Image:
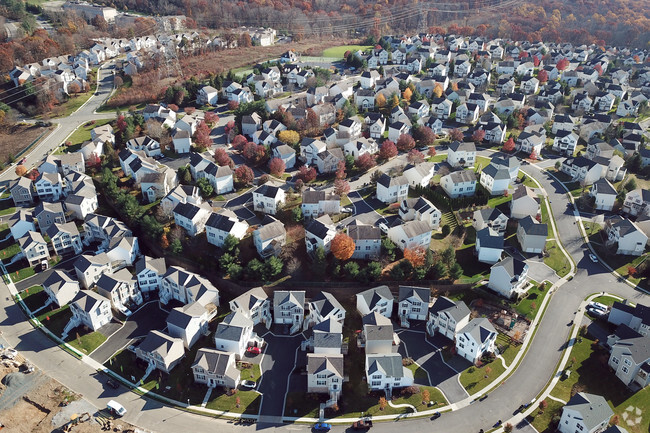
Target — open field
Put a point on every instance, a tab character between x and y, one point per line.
340	50
17	138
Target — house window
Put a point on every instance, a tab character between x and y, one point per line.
615	361
321	382
625	370
626	362
375	383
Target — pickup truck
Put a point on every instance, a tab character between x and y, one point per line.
363	424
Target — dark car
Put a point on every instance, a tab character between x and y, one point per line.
113	384
435	416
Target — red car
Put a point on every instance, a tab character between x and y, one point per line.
253	350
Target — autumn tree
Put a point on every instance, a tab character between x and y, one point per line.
366	161
341	187
562	64
415	157
415	255
424	136
244	175
542	76
254	153
407	94
380	101
405	142
456	135
202	136
387	150
631	271
543	405
432	151
233	105
211	118
382	403
239	142
21	170
438	90
533	155
478	136
306	174
277	167
426	396
340	170
289	137
222	158
342	246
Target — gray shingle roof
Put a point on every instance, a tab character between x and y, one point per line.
593	408
389	365
375	295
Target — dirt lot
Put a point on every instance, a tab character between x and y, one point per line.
16	138
35	403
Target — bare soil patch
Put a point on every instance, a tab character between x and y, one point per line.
16	138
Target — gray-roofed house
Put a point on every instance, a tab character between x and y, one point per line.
289	309
327	338
637	202
324	306
420	174
413	304
630	359
47	214
188	323
532	235
604	194
490	217
378	299
325	374
222	224
508	277
20	223
420	209
385	372
148	272
377	335
489	245
270	238
461	154
191	217
120	287
187	287
625	235
495	179
89	268
524	203
255	305
235	334
60	288
367	241
89	309
49	186
215	369
34	248
636	317
447	317
392	189
161	351
475	339
459	183
268	199
319	234
587	413
316	203
411	234
22	192
65	238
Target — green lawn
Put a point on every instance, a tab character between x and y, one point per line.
123	363
606	300
556	259
23	273
545	218
482	162
498	200
438	158
529	306
9	252
249	401
86	343
416	399
624	268
507	349
340	50
528	181
34	297
77	100
541	421
56	320
8	211
82	133
300	404
640	400
474	378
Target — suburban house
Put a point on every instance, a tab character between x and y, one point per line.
123	250
325	374
397	129
34	248
447	317
495	179
65	238
120	288
524	203
324	307
207	95
89	268
289	309
317	203
60	288
377	335
82	202
532	235
234	334
582	170
459	183
148	273
319	233
90	309
222	224
20	223
467	113
420	209
420	174
474	340
626	235
508	277
47	214
187	287
490	217
378	300
565	142
588	413
191	217
22	192
413	304
604	195
489	245
255	305
630	359
161	351
146	144
286	153
385	372
215	369
49	186
461	154
635	317
103	229
268	199
367	241
270	238
392	189
411	234
637	202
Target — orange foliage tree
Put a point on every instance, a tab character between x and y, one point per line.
342	246
416	255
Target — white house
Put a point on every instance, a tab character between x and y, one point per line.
411	234
385	372
90	268
324	306
532	235
182	141
495	179
565	142
392	189
270	238
420	209
319	233
215	369
477	338
34	248
587	413
255	305
637	202
630	360
459	183
508	277
420	174
289	309
187	287
489	245
148	273
604	194
316	203
447	317
524	203
325	374
378	299
65	238
461	154
413	303
490	217
60	288
234	334
367	241
207	95
626	235
268	199
90	309
191	217
49	186
161	351
120	288
20	223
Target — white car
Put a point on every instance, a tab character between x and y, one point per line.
596	312
597	306
115	408
593	258
10	353
248	384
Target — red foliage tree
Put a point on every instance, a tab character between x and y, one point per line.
244	174
33	175
416	255
542	76
229	126
341	187
306	174
221	157
599	69
509	145
254	153
239	142
432	151
533	155
405	142
211	118
189	110
562	64
340	170
277	167
456	135
415	157
366	161
424	136
121	123
342	246
478	136
535	61
233	105
173	107
202	135
387	150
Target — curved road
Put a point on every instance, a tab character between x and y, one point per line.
536	369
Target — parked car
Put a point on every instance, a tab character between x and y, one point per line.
383	227
322	427
435	416
362	424
115	408
346	209
596	312
248	384
597	306
253	350
10	353
593	258
113	384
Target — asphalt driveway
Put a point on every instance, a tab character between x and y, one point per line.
147	318
279	360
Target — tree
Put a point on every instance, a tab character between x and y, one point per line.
239	142
205	187
533	155
233	105
211	118
373	271
202	136
405	142
380	101
388	247
562	64
342	246
407	94
296	214
382	403
387	150
341	187
254	153
508	428
21	170
273	267
277	167
631	271
509	145
630	185
424	136
456	271
438	90
352	269
306	174
366	161
448	256
244	175
289	137
542	76
543	405
222	158
432	151
255	270
340	171
415	255
231	245
456	135
74	88
176	247
439	270
151	227
478	135
426	396
415	157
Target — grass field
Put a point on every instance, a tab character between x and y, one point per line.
83	132
340	50
556	259
475	379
